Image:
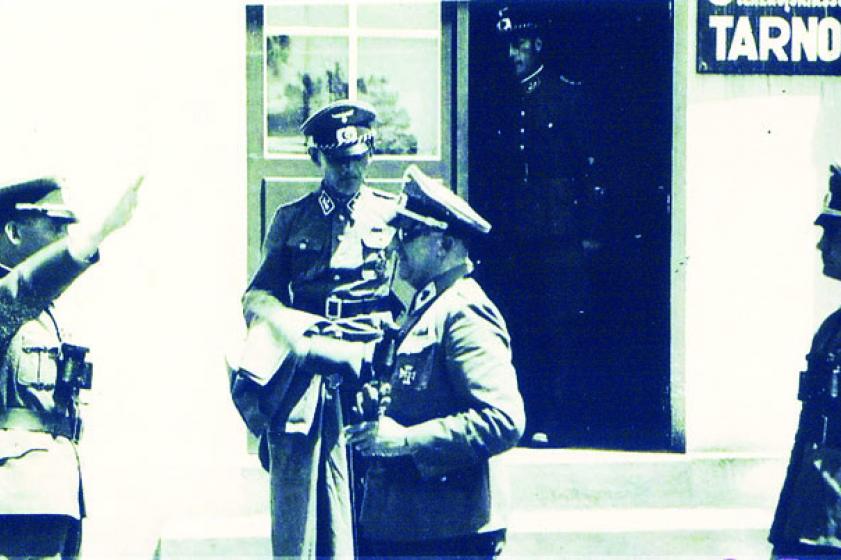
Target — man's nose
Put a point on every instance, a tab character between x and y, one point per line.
512	51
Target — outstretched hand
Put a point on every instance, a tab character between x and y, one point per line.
122	210
84	238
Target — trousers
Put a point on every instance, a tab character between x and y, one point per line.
473	547
40	535
310	488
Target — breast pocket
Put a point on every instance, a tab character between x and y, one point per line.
305	256
34	362
375	254
415	361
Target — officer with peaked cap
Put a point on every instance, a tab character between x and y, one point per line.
807	522
454	401
41	504
329	254
539	162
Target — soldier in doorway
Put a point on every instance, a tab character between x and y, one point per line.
543	199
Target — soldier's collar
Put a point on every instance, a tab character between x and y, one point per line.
438	285
532	81
328	202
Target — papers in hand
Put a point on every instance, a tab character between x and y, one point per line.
277	334
262	353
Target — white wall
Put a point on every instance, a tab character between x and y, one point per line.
758	150
101	91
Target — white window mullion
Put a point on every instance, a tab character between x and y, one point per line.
353	48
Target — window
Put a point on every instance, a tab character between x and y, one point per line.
387	54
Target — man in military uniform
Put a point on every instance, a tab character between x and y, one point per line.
329	255
41	504
453	400
807	522
541	195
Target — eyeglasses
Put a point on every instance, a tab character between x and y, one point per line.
408	233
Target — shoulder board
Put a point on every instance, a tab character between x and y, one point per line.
300	200
566	81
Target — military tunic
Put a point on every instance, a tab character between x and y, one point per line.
809	509
39	472
541	170
455	388
542	143
325	256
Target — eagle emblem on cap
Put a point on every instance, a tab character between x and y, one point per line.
346	135
344	115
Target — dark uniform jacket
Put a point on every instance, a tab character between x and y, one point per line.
543	197
322	257
544	161
455	387
39	472
809	510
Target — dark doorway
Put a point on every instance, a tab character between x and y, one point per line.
607	383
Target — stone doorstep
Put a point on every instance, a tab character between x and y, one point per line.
628	520
589	479
619	520
586	479
625	532
645	502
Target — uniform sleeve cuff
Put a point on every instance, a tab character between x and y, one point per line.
419	436
81	256
82	247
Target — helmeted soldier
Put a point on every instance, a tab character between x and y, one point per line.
41	374
328	254
807	522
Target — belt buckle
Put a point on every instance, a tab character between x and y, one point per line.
333	308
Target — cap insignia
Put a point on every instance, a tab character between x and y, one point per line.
343	116
346	135
504	25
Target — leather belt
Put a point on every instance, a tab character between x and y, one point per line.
400	468
32	421
337	308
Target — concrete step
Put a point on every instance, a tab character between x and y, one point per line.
598	479
632	532
640	532
563	503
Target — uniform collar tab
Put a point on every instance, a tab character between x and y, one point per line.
328	203
424	296
325	201
532	81
439	284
